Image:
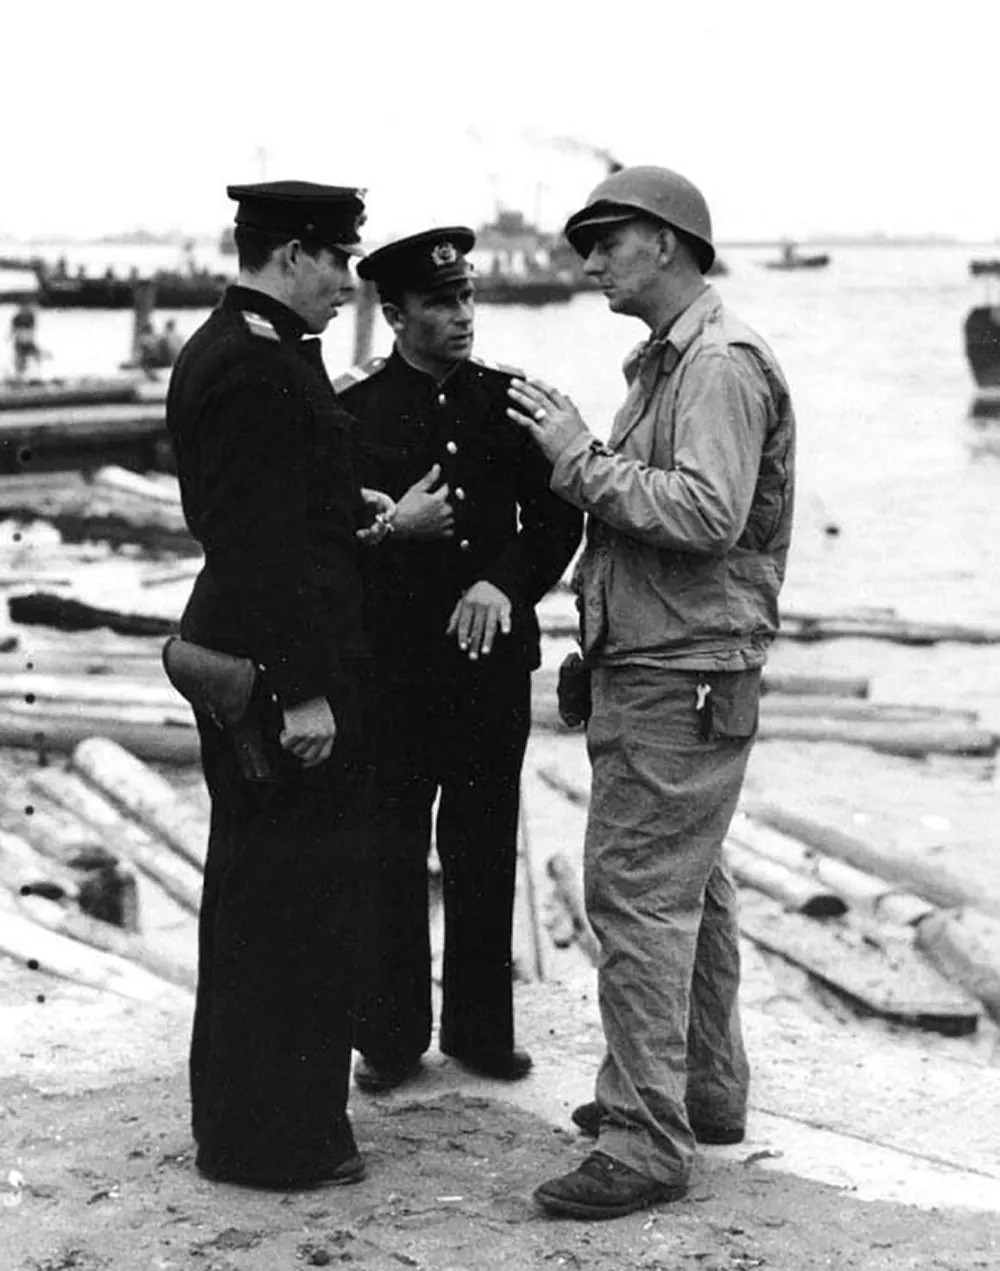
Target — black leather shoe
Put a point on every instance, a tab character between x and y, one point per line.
503	1065
604	1188
375	1078
350	1170
587	1119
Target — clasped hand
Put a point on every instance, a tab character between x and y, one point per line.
310	731
383	509
424	510
482	611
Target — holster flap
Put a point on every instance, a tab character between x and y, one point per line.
219	685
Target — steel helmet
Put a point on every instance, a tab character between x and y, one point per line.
649	191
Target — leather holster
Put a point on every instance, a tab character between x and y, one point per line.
228	690
573	691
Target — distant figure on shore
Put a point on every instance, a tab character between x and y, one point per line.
170	342
156	352
22	339
147	349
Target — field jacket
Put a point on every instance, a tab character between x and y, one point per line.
689	501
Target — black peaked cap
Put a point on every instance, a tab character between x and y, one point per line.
427	261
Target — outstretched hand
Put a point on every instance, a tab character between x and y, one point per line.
550	416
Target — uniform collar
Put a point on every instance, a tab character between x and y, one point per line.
416	376
285	321
668	346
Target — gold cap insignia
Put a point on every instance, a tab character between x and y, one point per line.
444	254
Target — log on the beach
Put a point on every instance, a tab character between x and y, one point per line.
570	893
919	877
914	740
819	707
67	614
804	625
797	892
134	948
791	682
892	981
72	691
155	736
858	889
38	949
143	795
178	878
165	494
956	951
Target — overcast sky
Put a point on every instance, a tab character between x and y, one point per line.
794	118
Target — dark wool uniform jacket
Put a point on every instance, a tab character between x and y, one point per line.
509	528
270	490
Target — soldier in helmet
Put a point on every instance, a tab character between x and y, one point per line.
270	492
690	506
478	538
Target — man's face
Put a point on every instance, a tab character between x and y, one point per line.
435	328
319	285
625	262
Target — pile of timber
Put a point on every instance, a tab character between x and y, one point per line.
827	709
894	936
103	803
558	617
129	425
110	504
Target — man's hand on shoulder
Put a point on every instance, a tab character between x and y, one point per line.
424	511
482	611
310	731
550	416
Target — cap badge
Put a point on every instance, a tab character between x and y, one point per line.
444	254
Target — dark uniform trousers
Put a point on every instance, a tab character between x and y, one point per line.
464	740
448	726
279	934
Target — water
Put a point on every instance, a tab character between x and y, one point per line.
888	454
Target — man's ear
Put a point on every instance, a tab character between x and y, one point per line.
393	314
290	255
667	240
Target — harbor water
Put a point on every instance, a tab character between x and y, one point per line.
899	487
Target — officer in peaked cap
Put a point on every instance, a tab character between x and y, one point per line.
450	604
269	488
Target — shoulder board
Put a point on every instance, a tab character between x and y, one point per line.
358	374
259	326
502	367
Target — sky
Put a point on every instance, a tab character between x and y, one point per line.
795	119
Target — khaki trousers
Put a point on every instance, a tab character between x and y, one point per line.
665	786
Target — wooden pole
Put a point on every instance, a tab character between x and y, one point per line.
143	305
365	304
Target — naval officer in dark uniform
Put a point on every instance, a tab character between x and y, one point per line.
271	493
477	540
